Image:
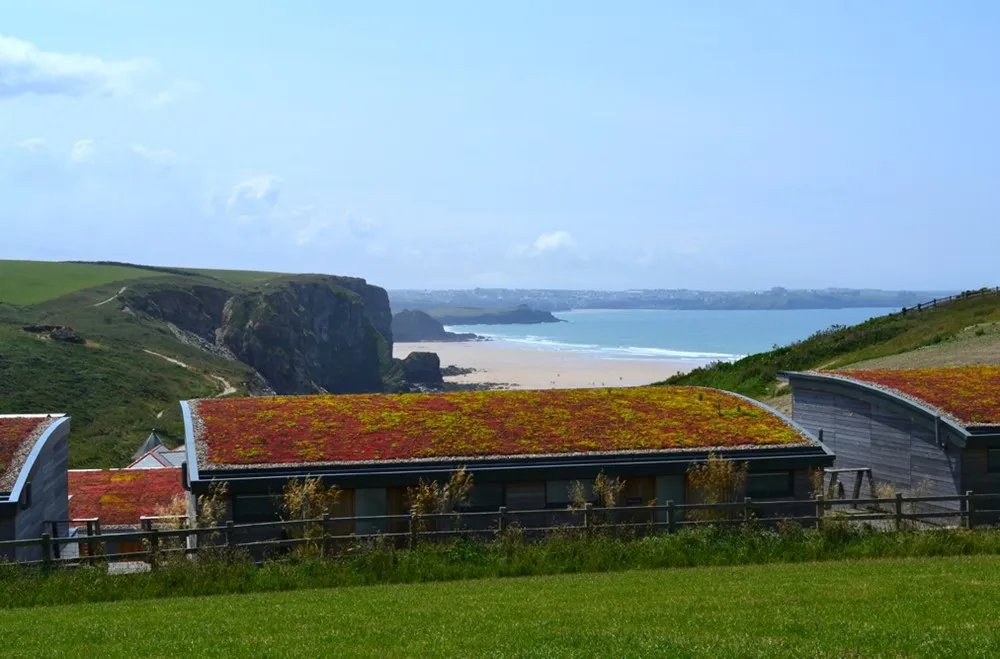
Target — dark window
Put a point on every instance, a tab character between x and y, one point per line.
560	493
484	497
993	459
253	508
772	485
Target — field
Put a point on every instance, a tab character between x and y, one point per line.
917	607
31	282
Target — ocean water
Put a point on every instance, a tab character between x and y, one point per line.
697	336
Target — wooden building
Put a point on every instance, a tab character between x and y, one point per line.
33	484
929	431
524	449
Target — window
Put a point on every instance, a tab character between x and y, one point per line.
560	493
993	459
484	497
772	485
253	508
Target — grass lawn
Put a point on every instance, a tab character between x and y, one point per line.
31	282
916	607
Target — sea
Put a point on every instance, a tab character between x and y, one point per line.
696	336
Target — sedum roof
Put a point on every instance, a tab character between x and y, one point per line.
119	497
18	433
968	394
366	428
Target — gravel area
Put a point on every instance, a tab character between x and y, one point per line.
9	477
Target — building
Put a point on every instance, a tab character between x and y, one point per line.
524	449
119	498
33	484
932	431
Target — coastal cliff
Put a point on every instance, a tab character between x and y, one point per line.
410	326
519	315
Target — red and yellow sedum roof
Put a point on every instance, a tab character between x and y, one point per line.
18	434
482	424
119	497
969	394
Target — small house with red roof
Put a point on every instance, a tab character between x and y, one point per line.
33	483
932	431
524	449
120	498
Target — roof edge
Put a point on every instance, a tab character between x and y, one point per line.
883	392
191	457
25	470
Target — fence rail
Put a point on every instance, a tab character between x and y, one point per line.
328	533
965	295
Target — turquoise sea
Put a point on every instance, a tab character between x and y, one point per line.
672	335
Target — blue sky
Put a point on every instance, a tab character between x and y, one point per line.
716	145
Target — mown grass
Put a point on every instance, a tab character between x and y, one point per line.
32	282
376	564
879	337
918	607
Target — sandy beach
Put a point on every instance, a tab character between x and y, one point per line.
526	368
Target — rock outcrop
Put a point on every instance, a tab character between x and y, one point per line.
519	315
303	334
422	368
412	326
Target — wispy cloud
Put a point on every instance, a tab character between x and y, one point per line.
547	242
26	69
170	95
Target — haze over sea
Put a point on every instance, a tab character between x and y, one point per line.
697	336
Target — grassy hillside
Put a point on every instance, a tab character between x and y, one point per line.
840	346
32	282
115	388
856	609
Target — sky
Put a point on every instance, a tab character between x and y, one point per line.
558	144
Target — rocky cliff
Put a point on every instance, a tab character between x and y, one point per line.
304	334
410	326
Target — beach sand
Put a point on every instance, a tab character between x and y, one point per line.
526	368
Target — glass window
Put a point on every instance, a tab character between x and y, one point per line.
774	485
484	497
560	493
253	508
993	459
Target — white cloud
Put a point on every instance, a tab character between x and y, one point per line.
163	157
547	242
176	90
34	145
253	198
25	69
83	151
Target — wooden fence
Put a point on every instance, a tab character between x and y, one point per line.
966	295
890	513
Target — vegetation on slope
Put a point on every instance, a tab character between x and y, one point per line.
841	346
32	282
875	608
132	370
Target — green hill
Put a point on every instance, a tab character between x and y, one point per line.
143	338
957	328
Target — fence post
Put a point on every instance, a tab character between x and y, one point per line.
501	519
230	540
325	547
414	527
671	517
899	510
970	509
820	509
90	534
746	510
55	535
46	542
154	548
587	521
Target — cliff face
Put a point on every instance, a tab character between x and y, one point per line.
306	338
408	326
304	334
